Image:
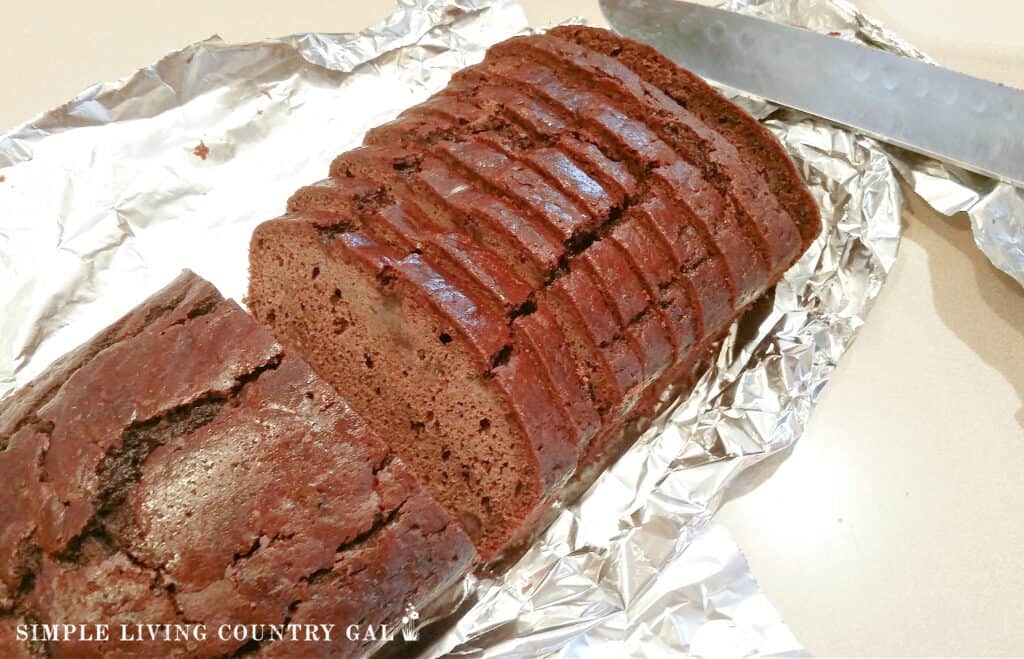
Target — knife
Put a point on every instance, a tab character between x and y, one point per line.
973	123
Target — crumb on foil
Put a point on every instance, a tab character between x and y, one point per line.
202	150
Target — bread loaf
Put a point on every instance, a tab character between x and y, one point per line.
508	275
183	468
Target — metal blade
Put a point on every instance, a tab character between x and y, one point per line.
970	122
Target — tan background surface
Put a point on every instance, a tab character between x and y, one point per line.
896	527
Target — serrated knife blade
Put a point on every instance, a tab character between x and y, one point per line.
966	121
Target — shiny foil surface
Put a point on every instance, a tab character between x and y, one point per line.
107	197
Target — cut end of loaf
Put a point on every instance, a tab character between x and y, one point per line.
414	378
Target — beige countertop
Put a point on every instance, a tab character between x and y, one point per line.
896	525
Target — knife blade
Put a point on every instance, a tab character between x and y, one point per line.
928	109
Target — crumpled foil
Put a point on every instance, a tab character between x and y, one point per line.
106	198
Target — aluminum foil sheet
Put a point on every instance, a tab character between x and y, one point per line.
107	197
